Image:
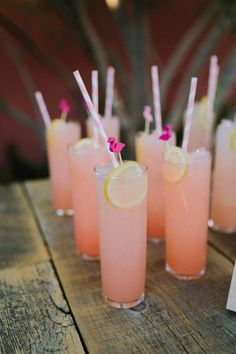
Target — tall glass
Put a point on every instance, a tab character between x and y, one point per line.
59	136
122	232
223	204
82	163
186	214
149	150
110	125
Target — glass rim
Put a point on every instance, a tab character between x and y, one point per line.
106	174
191	159
65	123
103	117
73	151
227	122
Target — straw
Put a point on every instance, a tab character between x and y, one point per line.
65	108
211	92
94	115
189	113
156	98
109	92
43	109
147	115
63	116
95	103
95	89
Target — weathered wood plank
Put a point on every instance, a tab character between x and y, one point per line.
20	240
226	244
231	302
34	317
178	317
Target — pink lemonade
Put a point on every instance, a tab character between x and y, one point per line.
149	151
187	187
122	231
223	205
82	163
59	136
110	125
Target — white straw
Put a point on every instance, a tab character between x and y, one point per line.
211	92
95	103
189	113
94	115
43	109
156	98
95	89
109	92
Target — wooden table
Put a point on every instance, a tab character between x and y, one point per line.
50	299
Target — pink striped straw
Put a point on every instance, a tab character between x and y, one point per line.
109	92
95	89
211	92
43	109
189	113
94	115
156	98
95	103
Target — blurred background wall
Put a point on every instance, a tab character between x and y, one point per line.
43	41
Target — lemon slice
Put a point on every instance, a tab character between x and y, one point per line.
126	185
83	144
202	113
176	165
233	139
138	144
56	122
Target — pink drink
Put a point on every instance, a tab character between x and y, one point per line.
223	206
110	125
187	202
122	234
59	136
82	163
149	151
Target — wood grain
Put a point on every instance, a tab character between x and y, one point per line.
34	317
177	317
20	241
226	244
231	302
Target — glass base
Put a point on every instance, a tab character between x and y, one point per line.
86	257
61	212
124	305
214	227
184	276
89	258
155	239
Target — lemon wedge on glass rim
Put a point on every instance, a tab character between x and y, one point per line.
139	150
233	139
56	122
202	113
176	165
126	185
